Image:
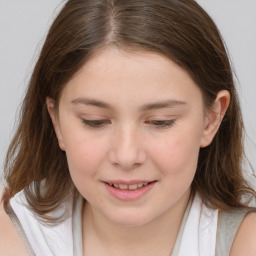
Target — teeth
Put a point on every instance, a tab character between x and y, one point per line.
123	186
128	187
133	187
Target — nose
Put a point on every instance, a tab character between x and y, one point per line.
127	151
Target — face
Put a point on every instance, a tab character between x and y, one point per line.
131	125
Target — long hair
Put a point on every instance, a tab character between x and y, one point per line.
178	29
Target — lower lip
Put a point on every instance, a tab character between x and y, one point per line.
129	195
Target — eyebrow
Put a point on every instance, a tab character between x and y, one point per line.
91	102
172	103
162	104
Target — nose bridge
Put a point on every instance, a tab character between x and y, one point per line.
127	149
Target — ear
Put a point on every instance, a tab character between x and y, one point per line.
214	117
54	117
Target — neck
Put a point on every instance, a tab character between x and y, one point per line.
156	237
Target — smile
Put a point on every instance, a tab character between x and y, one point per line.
126	192
129	187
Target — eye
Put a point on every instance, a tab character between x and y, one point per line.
96	123
161	123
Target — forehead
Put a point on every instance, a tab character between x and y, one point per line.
120	76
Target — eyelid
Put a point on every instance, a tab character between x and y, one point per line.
95	123
161	124
157	122
93	117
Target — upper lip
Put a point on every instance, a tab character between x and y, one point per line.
130	182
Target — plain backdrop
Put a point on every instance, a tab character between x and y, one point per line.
23	27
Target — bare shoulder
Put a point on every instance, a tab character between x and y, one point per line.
245	239
10	242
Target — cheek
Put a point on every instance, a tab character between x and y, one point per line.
84	161
176	163
84	156
177	155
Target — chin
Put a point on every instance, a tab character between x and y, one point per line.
129	218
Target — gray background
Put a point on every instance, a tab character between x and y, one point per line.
23	26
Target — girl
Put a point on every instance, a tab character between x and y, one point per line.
130	139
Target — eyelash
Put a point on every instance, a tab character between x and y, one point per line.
95	123
159	124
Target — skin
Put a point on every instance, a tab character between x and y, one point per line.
12	245
150	125
137	140
10	242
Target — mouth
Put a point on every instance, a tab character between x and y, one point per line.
127	191
123	186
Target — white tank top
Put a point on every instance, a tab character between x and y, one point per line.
197	235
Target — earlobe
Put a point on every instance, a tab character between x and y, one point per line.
214	117
52	112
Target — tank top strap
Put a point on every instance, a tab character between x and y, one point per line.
77	226
228	225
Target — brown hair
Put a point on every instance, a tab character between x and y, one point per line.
178	29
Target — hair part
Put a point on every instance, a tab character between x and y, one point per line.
178	29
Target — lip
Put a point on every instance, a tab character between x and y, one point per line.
129	195
130	182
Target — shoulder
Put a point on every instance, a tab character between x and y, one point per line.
245	239
10	242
